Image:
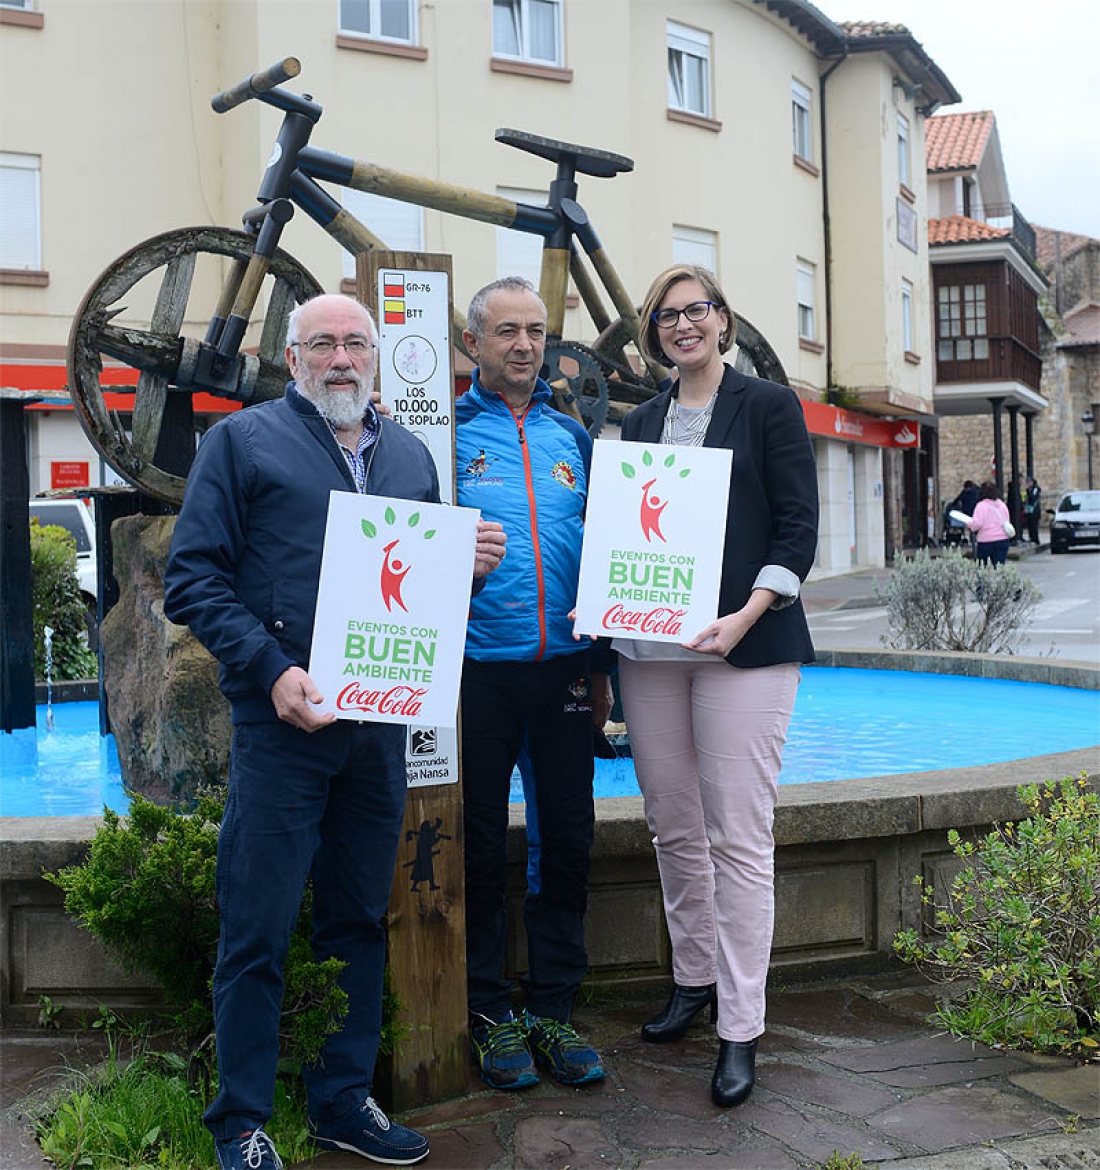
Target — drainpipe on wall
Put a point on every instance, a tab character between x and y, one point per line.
825	222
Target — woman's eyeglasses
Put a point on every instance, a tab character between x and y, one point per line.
696	311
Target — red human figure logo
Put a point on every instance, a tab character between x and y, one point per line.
652	507
393	574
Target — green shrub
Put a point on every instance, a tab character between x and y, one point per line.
146	890
1022	925
948	602
58	603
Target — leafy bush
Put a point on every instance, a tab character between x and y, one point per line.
146	890
1022	924
951	603
57	602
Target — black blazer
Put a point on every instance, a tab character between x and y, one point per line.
772	513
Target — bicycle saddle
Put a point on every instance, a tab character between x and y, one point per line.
600	163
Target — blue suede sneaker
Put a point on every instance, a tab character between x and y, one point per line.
367	1131
556	1044
501	1053
253	1150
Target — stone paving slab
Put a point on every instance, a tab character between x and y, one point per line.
1052	1152
1076	1090
816	1134
926	1061
964	1116
851	1095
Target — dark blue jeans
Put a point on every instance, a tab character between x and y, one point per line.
995	552
327	806
550	703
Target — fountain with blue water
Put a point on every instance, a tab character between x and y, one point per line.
847	723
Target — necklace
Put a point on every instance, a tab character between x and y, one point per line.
686	427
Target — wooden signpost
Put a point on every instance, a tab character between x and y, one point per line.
410	296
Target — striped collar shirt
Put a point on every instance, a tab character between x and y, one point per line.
357	459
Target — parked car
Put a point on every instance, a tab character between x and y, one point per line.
76	518
1075	521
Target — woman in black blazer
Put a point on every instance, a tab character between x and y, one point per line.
707	734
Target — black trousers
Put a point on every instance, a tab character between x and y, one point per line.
550	702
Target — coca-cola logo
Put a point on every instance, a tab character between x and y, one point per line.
661	620
395	701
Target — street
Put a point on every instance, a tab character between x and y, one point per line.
1065	625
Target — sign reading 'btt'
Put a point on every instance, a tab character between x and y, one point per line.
414	359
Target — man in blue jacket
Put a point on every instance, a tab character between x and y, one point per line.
308	796
526	465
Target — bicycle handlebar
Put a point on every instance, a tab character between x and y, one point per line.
255	85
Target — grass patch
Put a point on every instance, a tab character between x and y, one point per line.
140	1108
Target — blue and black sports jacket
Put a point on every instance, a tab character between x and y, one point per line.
530	474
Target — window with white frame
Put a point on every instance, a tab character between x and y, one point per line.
21	223
520	253
386	20
400	226
907	314
694	246
801	126
903	150
528	30
805	281
688	70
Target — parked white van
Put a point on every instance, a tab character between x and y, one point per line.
76	518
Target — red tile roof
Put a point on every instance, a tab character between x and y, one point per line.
1070	242
873	28
958	229
1083	327
955	142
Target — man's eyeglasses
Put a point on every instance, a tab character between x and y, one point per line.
323	347
696	311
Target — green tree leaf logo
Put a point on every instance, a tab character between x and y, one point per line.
630	471
370	529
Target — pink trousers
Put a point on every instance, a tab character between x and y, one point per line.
707	740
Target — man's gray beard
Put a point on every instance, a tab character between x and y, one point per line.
342	408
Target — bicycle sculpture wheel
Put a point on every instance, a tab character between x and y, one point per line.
164	358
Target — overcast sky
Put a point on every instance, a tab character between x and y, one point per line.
1036	67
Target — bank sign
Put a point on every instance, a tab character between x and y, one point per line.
390	628
654	534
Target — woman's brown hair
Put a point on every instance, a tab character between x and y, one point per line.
650	343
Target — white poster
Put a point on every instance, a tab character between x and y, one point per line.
653	539
414	361
391	609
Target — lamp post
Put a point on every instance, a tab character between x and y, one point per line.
1088	421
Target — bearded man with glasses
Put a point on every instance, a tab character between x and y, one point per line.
308	796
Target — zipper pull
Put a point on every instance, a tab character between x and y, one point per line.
522	436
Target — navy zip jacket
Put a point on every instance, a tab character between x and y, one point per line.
245	560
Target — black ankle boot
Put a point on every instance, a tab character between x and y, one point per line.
735	1073
683	1006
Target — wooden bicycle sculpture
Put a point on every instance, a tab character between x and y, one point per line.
586	378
